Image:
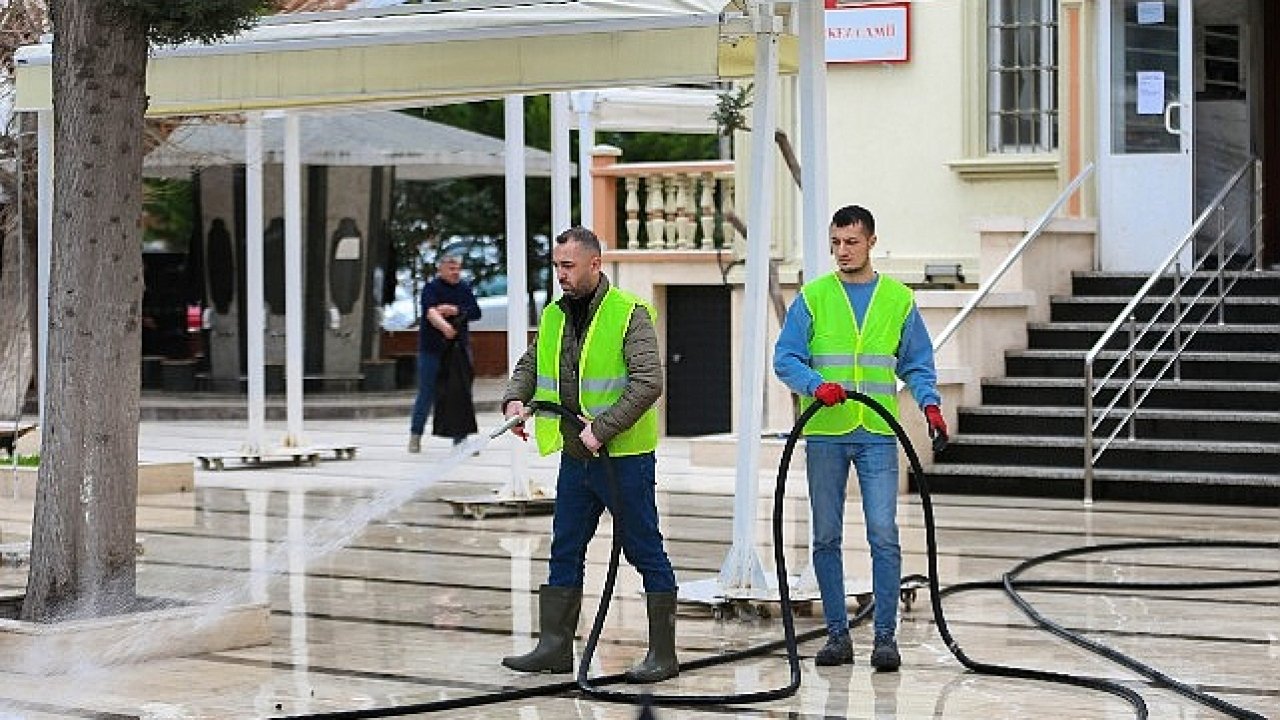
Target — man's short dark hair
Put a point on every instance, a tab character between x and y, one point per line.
850	215
583	236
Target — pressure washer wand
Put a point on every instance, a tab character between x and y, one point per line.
511	422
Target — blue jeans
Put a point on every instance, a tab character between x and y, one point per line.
582	494
428	371
877	467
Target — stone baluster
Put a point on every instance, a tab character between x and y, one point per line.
632	185
727	230
654	211
673	220
684	211
707	211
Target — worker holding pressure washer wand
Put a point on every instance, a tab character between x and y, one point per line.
855	329
596	355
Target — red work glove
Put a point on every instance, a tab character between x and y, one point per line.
937	427
829	393
512	408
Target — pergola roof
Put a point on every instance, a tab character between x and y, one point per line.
655	109
413	54
418	149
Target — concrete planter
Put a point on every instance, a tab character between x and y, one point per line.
154	478
50	648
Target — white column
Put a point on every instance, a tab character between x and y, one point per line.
44	244
517	268
813	139
814	182
255	315
293	309
742	569
561	167
584	103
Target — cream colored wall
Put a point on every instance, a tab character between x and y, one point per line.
894	131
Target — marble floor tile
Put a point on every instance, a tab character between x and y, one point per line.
381	598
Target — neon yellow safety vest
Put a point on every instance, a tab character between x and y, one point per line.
602	373
859	358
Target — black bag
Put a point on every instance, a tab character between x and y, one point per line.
454	413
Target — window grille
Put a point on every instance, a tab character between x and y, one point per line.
1022	76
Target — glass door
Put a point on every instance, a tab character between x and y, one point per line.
1146	183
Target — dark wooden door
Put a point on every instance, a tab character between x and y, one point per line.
698	363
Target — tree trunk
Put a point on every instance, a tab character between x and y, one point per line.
82	561
20	23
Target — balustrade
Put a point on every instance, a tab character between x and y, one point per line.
667	205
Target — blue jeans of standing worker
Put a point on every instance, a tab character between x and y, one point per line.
582	494
428	371
877	467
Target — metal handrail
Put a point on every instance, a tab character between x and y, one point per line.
985	288
1178	329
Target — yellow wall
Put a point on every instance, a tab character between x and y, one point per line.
901	145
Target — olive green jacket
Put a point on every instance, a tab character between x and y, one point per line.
644	376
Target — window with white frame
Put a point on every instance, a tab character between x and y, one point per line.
1022	76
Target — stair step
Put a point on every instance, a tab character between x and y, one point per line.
1248	283
1242	337
1151	454
1195	365
1109	484
1154	423
1187	394
1105	308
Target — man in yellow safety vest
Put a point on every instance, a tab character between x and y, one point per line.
855	329
596	355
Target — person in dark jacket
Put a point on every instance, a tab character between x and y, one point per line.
596	355
448	305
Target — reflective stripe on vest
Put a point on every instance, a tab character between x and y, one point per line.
602	373
859	358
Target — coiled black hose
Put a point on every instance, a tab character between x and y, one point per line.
1010	583
592	689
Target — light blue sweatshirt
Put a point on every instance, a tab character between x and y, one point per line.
792	362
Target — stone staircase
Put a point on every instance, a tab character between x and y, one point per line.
1212	437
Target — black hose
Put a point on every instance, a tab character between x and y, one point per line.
935	592
591	688
1010	583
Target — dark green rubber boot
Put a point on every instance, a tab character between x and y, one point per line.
558	609
660	664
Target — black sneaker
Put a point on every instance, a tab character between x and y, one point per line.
885	657
837	651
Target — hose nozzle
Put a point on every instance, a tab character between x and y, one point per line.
511	422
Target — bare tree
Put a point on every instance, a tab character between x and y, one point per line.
82	559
